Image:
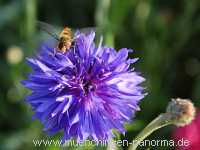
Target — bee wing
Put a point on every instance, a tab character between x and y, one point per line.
51	30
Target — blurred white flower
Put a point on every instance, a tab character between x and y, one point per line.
14	55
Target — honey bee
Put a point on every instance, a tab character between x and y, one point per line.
65	38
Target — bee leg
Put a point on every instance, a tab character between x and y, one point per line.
73	46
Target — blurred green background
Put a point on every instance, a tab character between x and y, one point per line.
165	35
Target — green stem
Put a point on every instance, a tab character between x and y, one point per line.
112	145
30	12
103	21
159	122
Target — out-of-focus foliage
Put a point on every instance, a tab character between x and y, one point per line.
164	34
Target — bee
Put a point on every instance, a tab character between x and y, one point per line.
65	38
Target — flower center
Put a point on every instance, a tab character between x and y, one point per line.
88	86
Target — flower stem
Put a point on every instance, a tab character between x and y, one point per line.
112	145
30	20
103	21
159	122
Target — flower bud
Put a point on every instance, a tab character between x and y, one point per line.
181	111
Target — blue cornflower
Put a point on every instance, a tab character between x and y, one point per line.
84	92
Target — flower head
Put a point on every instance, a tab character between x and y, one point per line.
84	92
181	111
191	133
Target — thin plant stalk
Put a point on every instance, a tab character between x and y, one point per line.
161	121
